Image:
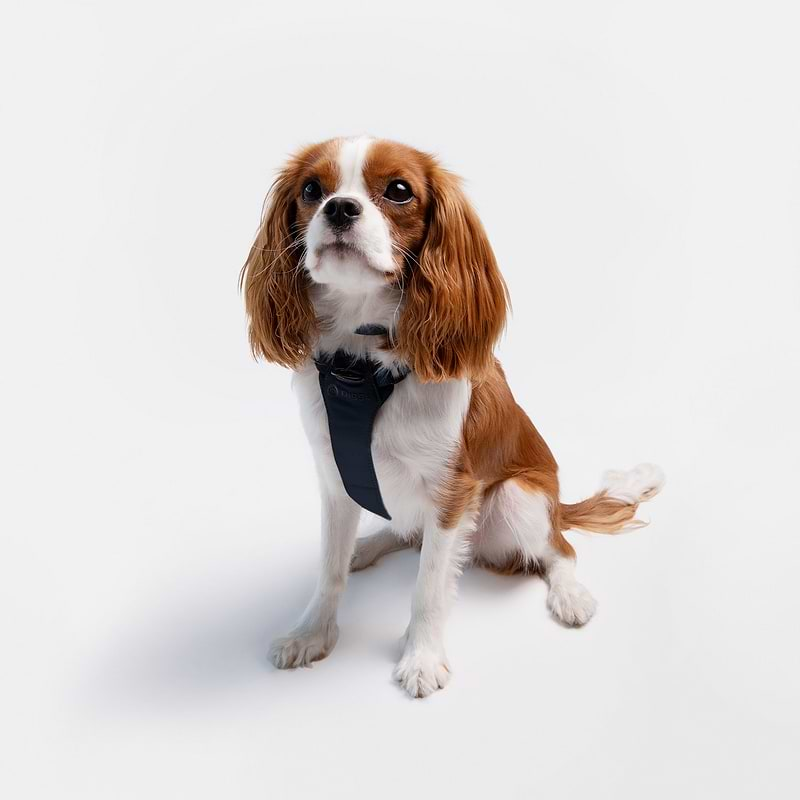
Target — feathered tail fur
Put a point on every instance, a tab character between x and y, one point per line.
613	508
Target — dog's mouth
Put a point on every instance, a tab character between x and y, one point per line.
333	260
340	248
346	251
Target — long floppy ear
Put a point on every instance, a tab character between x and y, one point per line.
282	320
456	299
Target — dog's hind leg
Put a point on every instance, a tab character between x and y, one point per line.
516	534
370	548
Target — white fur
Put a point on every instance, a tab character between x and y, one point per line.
514	520
423	667
316	633
569	601
636	485
341	312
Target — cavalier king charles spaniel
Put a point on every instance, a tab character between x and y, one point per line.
371	270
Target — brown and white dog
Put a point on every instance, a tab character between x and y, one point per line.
369	232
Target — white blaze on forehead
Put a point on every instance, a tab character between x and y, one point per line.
351	157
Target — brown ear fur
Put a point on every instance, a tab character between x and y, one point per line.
282	319
456	299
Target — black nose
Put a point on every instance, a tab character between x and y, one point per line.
342	212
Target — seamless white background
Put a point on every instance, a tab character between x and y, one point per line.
637	167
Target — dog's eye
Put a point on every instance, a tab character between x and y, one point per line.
399	192
312	191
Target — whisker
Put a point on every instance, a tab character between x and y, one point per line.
277	258
407	253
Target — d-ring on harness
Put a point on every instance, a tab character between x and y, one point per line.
353	390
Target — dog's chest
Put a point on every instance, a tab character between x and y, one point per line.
415	439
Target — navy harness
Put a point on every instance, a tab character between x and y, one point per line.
354	389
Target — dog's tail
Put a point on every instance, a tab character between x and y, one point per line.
613	508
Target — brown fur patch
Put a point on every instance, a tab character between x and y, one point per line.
455	298
600	514
516	564
499	442
321	165
388	161
460	493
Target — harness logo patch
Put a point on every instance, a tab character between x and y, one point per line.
337	391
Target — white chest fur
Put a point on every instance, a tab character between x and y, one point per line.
416	436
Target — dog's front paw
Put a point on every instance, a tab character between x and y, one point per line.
571	603
421	671
302	648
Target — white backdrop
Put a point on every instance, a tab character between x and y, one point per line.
637	167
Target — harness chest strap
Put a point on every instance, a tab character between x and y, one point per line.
354	391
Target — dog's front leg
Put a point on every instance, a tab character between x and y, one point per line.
316	633
423	667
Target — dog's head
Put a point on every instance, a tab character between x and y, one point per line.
360	215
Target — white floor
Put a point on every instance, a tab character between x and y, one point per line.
144	620
637	172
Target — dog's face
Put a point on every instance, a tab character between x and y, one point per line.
364	215
361	207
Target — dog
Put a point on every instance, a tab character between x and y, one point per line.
371	269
